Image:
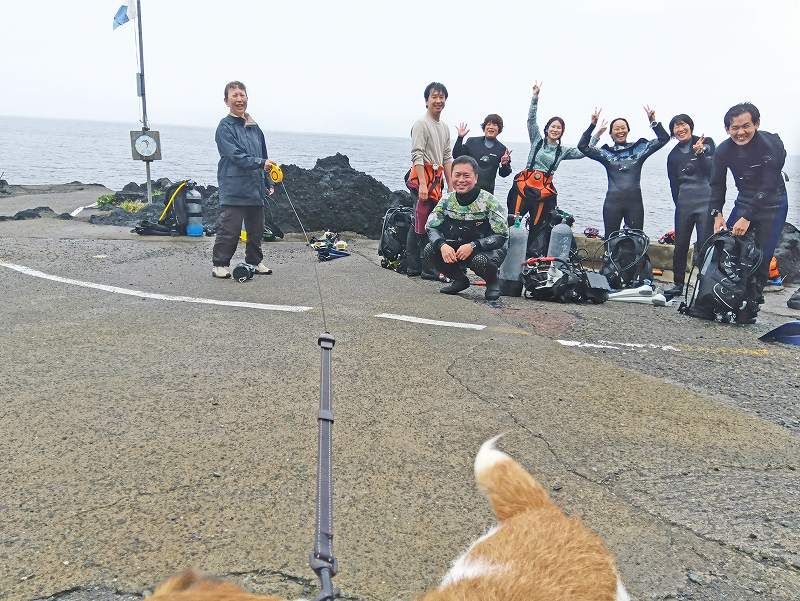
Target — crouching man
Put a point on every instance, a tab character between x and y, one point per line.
468	228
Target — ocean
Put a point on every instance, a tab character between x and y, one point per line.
44	151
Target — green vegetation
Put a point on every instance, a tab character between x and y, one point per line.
132	206
106	200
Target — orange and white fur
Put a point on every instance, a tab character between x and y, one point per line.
535	553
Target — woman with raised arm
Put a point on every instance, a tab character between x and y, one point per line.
689	172
623	162
533	190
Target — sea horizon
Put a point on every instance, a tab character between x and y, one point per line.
49	151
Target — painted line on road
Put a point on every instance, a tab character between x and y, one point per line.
619	346
645	347
432	322
151	295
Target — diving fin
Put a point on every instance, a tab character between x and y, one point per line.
659	300
643	291
788	333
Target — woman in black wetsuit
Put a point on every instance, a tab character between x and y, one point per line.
623	162
689	172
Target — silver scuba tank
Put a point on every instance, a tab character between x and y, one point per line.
510	277
561	239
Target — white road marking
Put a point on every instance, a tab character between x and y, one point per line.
164	297
432	322
617	345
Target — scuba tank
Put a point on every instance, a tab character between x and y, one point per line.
560	242
510	276
194	213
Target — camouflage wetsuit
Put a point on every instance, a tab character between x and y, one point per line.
477	218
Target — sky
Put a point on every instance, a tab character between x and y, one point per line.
360	67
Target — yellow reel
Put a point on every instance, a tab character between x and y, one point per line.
276	174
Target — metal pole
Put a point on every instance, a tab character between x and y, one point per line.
142	94
141	65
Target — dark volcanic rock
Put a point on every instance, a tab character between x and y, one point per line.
134	187
35	214
331	196
4	189
788	253
334	196
119	216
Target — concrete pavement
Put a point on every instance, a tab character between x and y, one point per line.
143	436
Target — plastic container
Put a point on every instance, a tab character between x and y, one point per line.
194	213
560	242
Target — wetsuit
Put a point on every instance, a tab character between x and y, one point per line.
477	218
757	170
545	157
623	163
689	176
488	154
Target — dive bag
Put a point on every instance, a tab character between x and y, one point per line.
626	263
175	216
726	288
392	245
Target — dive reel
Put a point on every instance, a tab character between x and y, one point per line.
276	174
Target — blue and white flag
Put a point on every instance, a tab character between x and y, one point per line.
126	13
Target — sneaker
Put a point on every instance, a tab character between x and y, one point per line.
774	285
262	269
220	271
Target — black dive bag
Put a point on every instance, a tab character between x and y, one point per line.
626	263
727	290
392	245
174	218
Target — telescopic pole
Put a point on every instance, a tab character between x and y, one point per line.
141	91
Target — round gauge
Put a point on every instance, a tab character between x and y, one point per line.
145	145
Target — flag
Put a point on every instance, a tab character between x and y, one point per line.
125	13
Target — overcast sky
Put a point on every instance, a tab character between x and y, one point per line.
360	67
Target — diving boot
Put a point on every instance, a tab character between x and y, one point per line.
459	284
676	290
492	289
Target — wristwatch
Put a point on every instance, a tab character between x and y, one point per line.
474	246
715	212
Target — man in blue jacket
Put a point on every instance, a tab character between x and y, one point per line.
241	174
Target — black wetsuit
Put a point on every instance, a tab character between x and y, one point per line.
623	163
689	176
757	169
488	158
